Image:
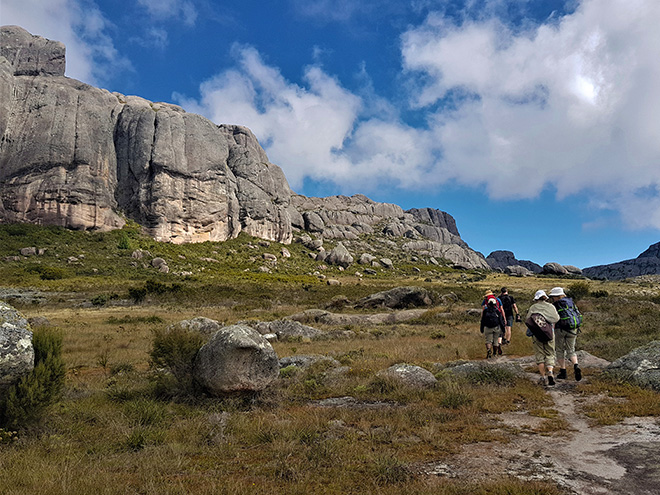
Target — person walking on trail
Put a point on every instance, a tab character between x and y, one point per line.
544	352
510	309
489	296
566	331
492	325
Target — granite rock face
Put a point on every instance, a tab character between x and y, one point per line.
84	158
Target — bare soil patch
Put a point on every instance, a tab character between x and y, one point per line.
581	458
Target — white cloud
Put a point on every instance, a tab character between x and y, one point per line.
79	24
315	131
168	9
573	104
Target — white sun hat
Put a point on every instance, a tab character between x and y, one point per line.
539	294
556	291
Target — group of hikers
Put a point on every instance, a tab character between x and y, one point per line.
553	322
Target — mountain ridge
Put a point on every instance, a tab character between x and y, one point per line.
86	158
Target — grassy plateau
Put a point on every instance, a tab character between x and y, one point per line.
118	430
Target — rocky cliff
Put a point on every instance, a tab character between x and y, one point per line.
85	158
647	263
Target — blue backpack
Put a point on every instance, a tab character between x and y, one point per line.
570	317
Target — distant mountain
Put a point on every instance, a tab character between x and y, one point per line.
647	263
85	158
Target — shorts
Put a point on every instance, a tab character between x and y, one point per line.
565	344
509	321
544	352
491	334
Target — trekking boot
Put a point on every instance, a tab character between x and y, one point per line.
499	350
551	379
489	354
578	372
542	381
562	374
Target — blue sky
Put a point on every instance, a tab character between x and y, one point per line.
534	123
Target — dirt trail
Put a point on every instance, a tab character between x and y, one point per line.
586	460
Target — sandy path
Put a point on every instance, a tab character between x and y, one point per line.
586	460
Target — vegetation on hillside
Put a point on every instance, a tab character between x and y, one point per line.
120	427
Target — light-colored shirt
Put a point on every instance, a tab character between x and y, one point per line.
545	308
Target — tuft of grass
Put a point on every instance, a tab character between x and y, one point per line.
619	400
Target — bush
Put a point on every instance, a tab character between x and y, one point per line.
25	402
124	242
175	350
137	294
47	272
578	290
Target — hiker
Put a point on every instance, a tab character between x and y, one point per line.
509	307
492	325
544	351
566	331
488	296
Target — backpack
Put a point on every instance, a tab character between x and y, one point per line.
507	304
570	317
491	317
540	327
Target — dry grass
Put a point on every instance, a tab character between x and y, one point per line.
110	435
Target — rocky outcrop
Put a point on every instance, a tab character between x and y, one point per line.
647	263
205	327
328	318
397	298
507	262
16	350
454	253
641	366
409	376
236	359
85	158
286	329
553	268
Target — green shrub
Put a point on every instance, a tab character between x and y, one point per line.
492	375
124	242
26	402
578	290
174	350
137	294
600	293
47	272
100	300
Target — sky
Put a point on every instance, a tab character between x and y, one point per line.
534	123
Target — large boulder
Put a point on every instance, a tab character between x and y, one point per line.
206	327
506	260
16	350
409	376
641	366
236	359
397	298
554	269
339	256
